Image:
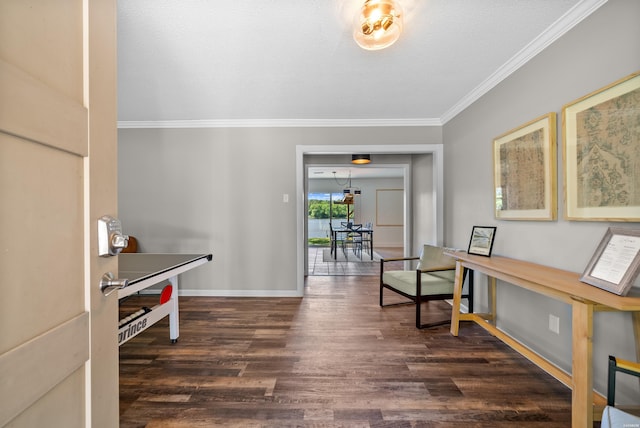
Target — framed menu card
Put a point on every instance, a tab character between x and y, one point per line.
616	262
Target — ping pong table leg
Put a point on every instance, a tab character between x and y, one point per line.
174	325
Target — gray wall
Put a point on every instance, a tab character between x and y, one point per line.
221	191
602	49
423	204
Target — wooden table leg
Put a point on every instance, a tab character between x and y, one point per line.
582	365
457	297
635	317
492	300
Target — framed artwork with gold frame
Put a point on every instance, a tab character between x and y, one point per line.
601	153
525	165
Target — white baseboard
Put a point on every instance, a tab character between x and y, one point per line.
226	293
463	308
239	293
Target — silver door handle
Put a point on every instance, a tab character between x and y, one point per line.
119	242
109	283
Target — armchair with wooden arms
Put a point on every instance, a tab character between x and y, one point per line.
613	417
432	279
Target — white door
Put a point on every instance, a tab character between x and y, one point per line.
58	349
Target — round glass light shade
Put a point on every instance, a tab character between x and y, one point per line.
378	24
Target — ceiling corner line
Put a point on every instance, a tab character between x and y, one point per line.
557	29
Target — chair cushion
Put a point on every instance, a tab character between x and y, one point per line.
612	417
432	283
432	257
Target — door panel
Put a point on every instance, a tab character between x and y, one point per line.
44	201
32	110
45	39
58	341
50	411
28	377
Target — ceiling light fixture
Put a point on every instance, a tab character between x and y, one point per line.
349	191
360	159
378	24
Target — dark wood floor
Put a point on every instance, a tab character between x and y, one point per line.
331	359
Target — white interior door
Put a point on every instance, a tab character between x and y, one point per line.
58	349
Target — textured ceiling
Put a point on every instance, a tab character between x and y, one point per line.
294	62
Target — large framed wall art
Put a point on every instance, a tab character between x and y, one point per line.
525	165
601	153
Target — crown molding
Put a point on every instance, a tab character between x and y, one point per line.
565	23
277	123
561	26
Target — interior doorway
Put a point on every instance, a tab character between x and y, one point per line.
343	234
432	185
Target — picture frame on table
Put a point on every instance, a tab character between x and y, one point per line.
616	262
525	170
481	242
600	136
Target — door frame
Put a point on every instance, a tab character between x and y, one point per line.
437	152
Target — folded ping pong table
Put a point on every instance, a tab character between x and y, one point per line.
144	270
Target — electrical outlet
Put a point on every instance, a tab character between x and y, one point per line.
554	324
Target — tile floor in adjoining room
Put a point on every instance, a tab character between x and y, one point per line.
318	267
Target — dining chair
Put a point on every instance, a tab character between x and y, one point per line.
334	239
356	239
366	237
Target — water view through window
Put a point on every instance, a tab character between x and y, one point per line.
321	211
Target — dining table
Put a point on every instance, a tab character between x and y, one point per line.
345	231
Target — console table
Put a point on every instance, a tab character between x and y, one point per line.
558	284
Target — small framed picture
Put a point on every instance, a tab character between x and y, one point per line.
481	242
616	262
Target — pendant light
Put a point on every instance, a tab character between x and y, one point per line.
360	159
